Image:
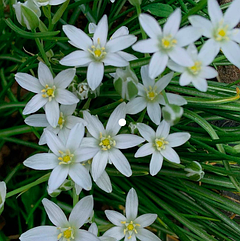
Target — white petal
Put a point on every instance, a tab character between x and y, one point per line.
95	127
126	56
180	56
78	37
90	142
146	131
214	11
55	213
113	126
83	235
154	112
157	64
104	182
75	137
101	31
120	162
146	46
150	26
176	99
208	72
177	139
115	232
162	83
185	78
173	22
232	52
35	104
136	105
37	120
85	153
145	150
52	112
56	2
146	235
81	212
99	164
156	163
76	58
66	97
71	121
131	207
57	177
130	238
28	82
115	59
120	43
200	84
41	161
95	74
115	217
44	75
163	130
68	110
231	16
80	175
208	52
192	51
93	229
147	81
188	35
146	219
170	154
124	141
174	66
120	32
46	233
236	35
54	143
64	78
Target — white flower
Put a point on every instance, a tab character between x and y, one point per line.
94	230
66	122
131	226
3	192
49	91
105	143
65	159
96	52
49	2
64	229
150	96
160	145
220	31
197	73
166	43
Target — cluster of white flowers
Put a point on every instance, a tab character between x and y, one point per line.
76	156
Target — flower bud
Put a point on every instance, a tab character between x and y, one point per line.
27	14
195	171
172	113
67	185
125	83
135	2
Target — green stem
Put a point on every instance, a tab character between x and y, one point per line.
165	97
75	197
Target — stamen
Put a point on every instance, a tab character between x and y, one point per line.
168	42
49	92
196	68
65	158
98	51
106	142
160	143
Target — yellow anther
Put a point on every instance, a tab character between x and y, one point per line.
168	42
123	222
130	227
196	68
59	236
66	158
48	92
97	52
222	32
60	121
67	233
130	237
106	142
151	94
160	143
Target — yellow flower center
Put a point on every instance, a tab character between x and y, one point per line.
106	142
66	234
65	158
48	92
196	68
130	228
61	120
168	42
98	51
151	92
160	143
221	33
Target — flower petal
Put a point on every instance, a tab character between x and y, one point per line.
214	11
64	78
95	74
115	217
208	73
146	132
44	75
145	150
81	212
124	141
55	213
104	182
163	130
173	22
170	154
83	235
115	232
68	110
75	137
53	142
77	37
99	164
52	112
177	139
176	99
146	219
120	32
37	120
120	162
28	82
150	26
231	16
76	58
126	56
131	207
146	235
80	175
85	153
162	83
200	84
154	112
120	43
185	78
115	59
232	51
101	31
174	66
146	46
156	163
66	97
35	104
147	81
180	56
41	161
135	105
90	142
71	121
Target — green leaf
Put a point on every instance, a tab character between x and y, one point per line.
132	90
159	9
60	12
32	20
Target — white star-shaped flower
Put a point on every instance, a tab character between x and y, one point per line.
166	43
64	160
160	145
197	73
131	226
64	229
105	143
220	31
149	95
96	52
49	91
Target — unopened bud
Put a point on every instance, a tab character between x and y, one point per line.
195	171
172	113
